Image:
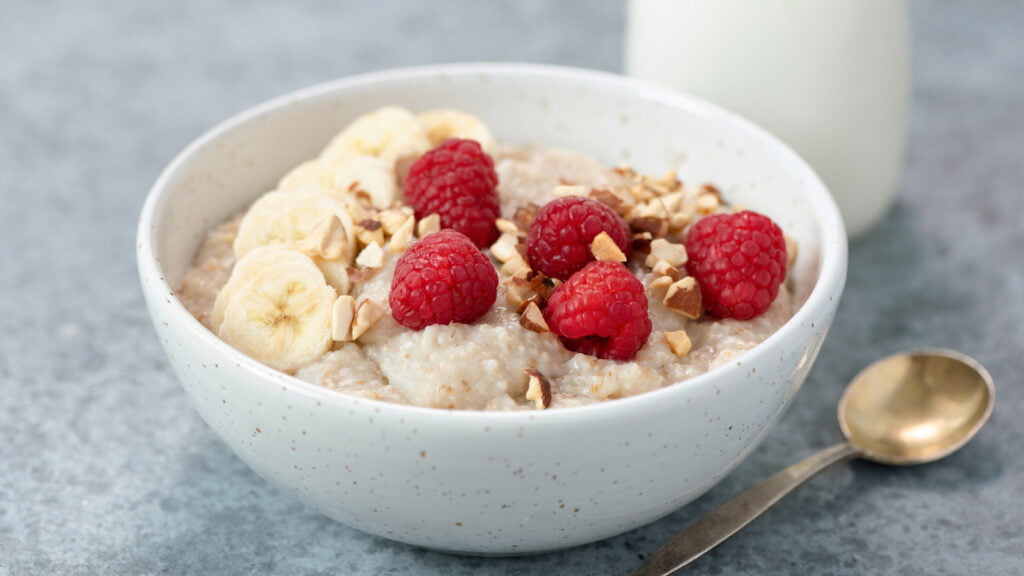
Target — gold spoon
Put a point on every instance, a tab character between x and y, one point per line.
908	408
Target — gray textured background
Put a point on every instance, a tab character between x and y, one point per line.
106	469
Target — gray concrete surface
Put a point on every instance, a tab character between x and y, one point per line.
106	469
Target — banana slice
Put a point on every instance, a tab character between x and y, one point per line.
386	133
282	217
348	176
260	259
443	124
281	314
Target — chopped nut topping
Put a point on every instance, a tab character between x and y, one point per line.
532	318
657	226
682	217
504	248
515	266
711	189
604	248
517	290
369	232
343	315
371	257
791	251
403	236
659	286
663	250
525	214
370	224
507	226
428	225
543	285
684	297
368	312
393	218
672	202
625	171
663	268
359	212
707	203
670	181
560	191
679	342
642	242
610	199
328	240
539	389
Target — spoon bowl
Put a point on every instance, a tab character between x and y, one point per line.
916	407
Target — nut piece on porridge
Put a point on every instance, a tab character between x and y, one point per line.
538	390
337	277
678	342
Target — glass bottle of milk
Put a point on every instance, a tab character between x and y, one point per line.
829	77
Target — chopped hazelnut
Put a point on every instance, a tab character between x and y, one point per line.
370	231
663	250
327	240
368	312
371	257
679	342
506	226
343	314
517	290
670	181
504	248
428	225
791	251
532	318
515	266
539	389
642	242
683	296
542	284
403	236
656	225
605	249
609	199
707	203
663	268
712	190
393	218
525	214
561	191
659	286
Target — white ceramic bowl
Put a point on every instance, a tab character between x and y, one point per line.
484	482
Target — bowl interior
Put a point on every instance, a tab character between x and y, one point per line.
617	120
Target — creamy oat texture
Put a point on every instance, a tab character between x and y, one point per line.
482	365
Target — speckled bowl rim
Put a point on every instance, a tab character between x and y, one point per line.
829	285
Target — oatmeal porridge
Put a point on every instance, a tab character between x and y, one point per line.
303	280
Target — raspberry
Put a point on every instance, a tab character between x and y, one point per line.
441	279
602	311
558	243
739	260
456	180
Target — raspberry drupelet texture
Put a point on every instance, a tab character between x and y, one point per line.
739	260
441	279
456	180
558	243
602	311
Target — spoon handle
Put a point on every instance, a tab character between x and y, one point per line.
734	515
